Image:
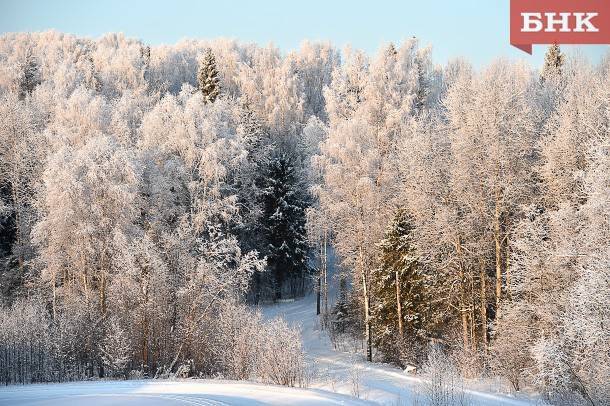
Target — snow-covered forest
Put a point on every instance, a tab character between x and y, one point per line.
154	198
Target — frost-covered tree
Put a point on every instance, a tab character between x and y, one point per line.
368	105
207	77
399	292
134	199
558	252
571	131
247	177
315	63
284	201
493	146
20	169
346	92
116	350
96	185
553	63
30	75
270	87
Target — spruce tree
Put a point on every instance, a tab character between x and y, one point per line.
283	223
397	287
421	93
208	77
30	75
553	63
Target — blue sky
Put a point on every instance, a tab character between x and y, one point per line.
475	29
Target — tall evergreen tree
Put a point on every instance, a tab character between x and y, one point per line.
397	288
30	75
208	77
283	222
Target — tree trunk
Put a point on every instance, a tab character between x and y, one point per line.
473	317
464	326
367	316
483	283
325	269
53	284
18	231
318	295
498	242
462	300
103	293
507	270
399	307
145	341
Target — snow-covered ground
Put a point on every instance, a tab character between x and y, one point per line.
168	393
337	371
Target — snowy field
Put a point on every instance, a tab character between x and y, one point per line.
167	393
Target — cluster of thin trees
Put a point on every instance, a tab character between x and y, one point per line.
149	193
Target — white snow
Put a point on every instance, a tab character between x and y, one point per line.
168	393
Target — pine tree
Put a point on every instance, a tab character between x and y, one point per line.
553	63
208	77
397	288
283	222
